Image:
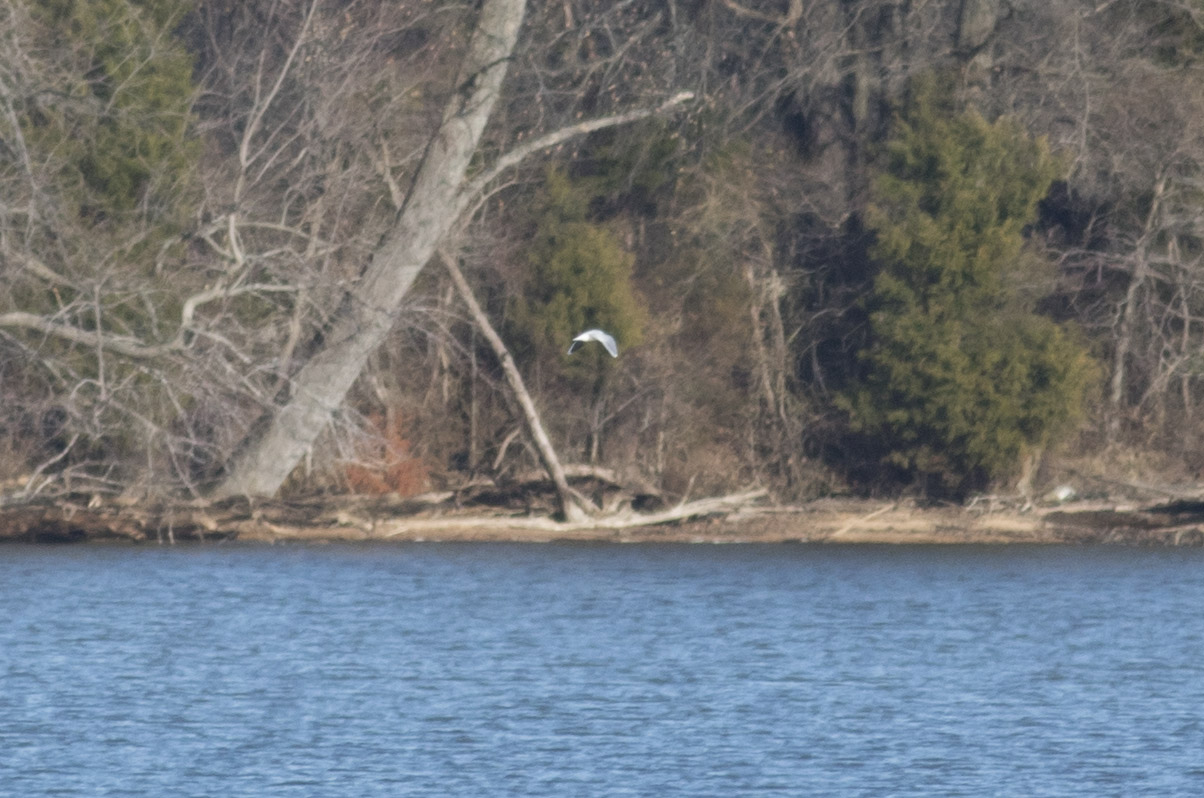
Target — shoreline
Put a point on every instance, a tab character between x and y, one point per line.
832	521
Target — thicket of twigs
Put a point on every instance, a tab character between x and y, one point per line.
224	228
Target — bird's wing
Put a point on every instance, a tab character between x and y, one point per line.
608	341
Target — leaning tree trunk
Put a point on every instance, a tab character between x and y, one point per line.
571	503
364	320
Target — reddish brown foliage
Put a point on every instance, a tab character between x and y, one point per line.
383	462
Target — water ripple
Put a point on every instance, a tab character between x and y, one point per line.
470	670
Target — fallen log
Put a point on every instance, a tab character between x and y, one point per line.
80	519
623	519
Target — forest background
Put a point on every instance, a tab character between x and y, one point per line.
845	245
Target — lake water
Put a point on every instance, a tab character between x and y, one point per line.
576	670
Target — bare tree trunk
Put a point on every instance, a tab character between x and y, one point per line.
1127	323
758	298
1124	345
434	204
976	21
570	501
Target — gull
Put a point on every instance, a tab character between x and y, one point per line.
606	339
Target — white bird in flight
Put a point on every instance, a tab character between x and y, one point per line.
606	339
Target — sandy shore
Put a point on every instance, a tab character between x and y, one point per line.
840	522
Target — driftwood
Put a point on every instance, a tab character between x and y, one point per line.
452	516
442	515
614	522
861	520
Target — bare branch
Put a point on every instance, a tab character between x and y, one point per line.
127	345
39	269
792	15
517	155
130	347
264	103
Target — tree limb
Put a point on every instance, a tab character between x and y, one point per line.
40	270
127	345
122	344
792	15
515	156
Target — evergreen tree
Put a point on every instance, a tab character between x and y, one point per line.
121	128
579	277
105	117
961	379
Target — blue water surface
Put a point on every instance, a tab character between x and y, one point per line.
575	670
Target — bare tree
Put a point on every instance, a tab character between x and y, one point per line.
95	176
439	195
1127	232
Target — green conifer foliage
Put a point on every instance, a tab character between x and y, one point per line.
579	277
961	378
122	128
